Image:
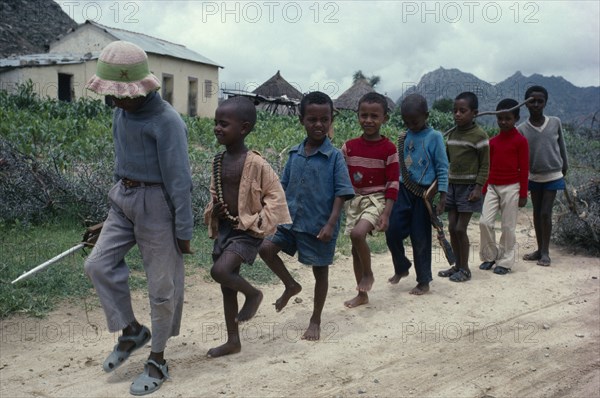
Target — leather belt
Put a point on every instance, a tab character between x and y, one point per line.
136	184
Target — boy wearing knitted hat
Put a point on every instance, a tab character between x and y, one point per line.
150	206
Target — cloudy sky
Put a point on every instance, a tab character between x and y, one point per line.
320	44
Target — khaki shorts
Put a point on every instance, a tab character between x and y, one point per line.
364	207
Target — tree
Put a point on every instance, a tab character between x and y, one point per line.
445	105
359	75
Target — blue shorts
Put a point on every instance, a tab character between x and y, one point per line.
457	198
311	251
547	186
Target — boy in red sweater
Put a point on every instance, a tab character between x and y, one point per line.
372	161
505	190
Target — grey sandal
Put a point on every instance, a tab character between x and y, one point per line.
145	384
117	357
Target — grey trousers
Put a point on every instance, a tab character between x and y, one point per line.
139	215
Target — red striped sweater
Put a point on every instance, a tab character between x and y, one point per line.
373	166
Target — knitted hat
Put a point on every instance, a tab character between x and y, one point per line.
122	71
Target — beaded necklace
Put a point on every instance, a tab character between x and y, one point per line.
217	171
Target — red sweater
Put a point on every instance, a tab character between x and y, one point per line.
509	160
373	166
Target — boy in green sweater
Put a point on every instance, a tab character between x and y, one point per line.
469	155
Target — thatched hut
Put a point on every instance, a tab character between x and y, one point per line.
277	95
349	98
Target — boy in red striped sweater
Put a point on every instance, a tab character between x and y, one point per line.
505	191
372	161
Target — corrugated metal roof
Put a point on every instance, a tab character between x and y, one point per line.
156	46
44	59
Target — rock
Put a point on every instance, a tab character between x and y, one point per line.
578	335
546	355
435	375
297	300
376	381
533	369
361	391
546	326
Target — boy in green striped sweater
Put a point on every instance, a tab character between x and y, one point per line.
469	156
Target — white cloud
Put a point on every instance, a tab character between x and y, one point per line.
319	42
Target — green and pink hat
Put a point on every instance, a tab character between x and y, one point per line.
123	72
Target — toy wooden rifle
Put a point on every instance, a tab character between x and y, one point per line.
89	240
427	195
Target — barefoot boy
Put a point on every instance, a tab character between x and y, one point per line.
373	167
505	191
469	155
247	204
548	165
425	160
316	184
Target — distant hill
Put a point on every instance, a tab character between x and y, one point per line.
572	104
29	26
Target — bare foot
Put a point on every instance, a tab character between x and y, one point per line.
360	299
396	278
288	293
366	283
544	261
534	256
250	307
225	349
420	289
313	333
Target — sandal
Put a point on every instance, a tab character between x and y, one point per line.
487	265
448	272
462	275
534	256
145	384
117	357
501	270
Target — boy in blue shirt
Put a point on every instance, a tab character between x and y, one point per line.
316	184
424	161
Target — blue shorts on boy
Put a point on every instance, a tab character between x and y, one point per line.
458	198
311	184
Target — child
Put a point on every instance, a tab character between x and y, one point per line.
150	206
425	160
505	190
316	184
469	156
548	166
247	204
373	167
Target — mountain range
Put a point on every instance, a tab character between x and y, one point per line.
572	104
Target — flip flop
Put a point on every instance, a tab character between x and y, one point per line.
535	256
462	275
448	272
487	265
501	270
543	263
145	384
117	357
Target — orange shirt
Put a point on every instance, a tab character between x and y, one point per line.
260	198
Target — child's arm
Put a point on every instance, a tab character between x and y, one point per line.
441	170
523	153
326	233
210	214
384	219
563	149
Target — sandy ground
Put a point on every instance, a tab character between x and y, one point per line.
534	332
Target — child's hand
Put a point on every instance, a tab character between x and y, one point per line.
184	246
326	233
475	194
522	202
220	209
383	223
441	207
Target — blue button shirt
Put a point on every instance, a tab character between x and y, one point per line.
312	183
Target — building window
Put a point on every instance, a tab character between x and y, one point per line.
192	96
167	87
65	87
208	89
